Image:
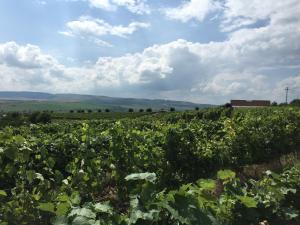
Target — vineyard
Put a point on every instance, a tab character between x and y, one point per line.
158	169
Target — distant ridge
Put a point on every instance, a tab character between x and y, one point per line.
12	101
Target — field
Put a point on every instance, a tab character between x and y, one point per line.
207	167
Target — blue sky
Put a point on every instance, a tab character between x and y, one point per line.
196	50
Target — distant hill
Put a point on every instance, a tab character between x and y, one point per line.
31	101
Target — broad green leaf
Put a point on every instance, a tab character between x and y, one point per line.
103	208
3	193
39	176
30	176
60	220
152	215
75	198
62	209
151	177
62	197
85	212
248	201
207	184
47	207
81	220
290	213
19	139
226	175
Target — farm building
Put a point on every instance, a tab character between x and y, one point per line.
250	103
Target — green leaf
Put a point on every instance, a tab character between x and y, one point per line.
85	212
60	220
62	209
75	198
81	220
47	207
207	184
3	193
152	215
248	201
151	177
103	208
226	175
39	176
290	213
19	140
62	197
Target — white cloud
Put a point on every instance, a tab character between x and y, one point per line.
238	13
28	56
91	29
192	9
134	6
103	4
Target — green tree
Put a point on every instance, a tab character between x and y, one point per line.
295	102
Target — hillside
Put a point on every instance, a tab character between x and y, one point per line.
30	101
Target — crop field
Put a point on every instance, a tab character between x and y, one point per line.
153	169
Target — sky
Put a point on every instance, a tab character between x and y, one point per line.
204	51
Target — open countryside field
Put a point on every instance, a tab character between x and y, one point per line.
213	166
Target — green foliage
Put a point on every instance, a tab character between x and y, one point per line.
95	172
295	102
39	117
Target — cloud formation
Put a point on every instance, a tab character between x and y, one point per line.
134	6
91	29
193	9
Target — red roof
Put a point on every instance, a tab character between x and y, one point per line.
251	103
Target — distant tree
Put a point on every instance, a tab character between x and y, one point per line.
40	117
149	110
12	119
33	117
141	110
274	104
71	111
172	109
197	108
227	105
107	110
90	111
295	102
282	104
99	110
44	117
130	110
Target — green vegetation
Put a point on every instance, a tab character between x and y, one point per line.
156	168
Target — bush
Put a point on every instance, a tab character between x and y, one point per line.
40	117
